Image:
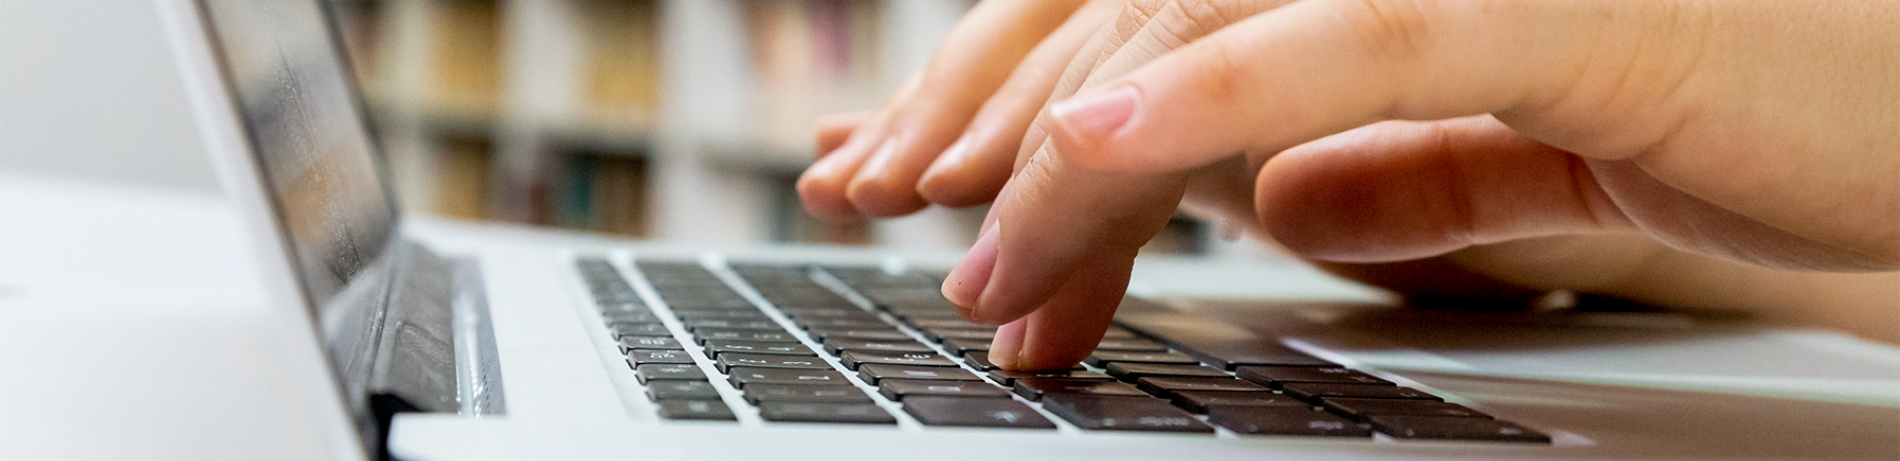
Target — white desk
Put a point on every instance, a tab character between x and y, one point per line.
131	328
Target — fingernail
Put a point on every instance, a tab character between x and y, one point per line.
966	281
952	157
1094	115
1006	349
880	159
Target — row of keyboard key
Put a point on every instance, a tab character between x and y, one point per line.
787	380
676	385
933	389
1250	386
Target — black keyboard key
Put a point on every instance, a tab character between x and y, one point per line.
1119	333
743	376
1166	386
968	412
852	359
979	360
667	371
612	323
710	334
760	393
836	346
1274	377
949	324
932	314
1037	388
872	373
734	359
941	335
835	314
1283	420
839	324
964	346
630	316
733	304
886	334
1130	345
1006	377
695	325
638	357
1311	391
811	412
1199	402
1095	412
1430	427
1229	353
898	389
712	410
732	315
649	342
1366	408
1130	371
639	329
716	347
1102	358
681	390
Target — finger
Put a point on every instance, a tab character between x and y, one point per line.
1278	79
834	129
822	185
978	56
1398	191
1067	328
973	168
1680	91
1053	216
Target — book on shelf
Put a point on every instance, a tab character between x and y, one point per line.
620	87
463	165
465	58
601	190
809	58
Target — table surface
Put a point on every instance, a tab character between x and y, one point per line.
132	327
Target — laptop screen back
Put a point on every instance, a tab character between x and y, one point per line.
330	199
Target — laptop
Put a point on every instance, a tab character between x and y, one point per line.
426	343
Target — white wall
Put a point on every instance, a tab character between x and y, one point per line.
88	88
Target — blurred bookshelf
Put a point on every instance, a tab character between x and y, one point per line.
684	120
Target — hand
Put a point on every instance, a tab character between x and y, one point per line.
1683	122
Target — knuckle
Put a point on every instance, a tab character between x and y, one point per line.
1179	20
1390	28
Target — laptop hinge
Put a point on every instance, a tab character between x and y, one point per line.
415	367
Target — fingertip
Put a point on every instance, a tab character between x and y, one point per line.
821	189
966	281
1006	348
877	190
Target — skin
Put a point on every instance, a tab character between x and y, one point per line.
1687	153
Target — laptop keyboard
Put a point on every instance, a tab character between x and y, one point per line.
912	348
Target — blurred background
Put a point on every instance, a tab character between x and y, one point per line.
679	120
684	120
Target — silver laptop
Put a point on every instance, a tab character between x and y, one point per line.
444	345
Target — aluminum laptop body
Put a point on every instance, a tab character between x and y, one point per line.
432	340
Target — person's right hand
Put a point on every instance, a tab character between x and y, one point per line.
1602	80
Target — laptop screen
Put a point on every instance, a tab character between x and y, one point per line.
317	160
